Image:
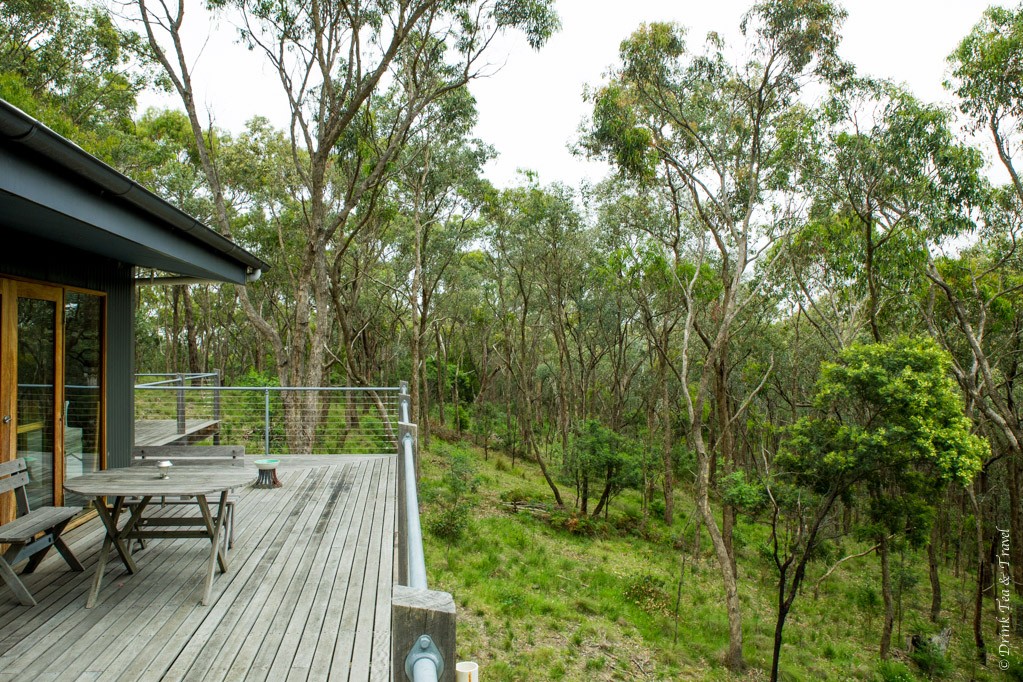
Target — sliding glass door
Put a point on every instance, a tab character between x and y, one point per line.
51	380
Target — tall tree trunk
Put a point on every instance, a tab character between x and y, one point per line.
531	445
175	329
191	332
978	603
932	565
442	374
584	494
605	496
779	626
417	305
868	235
455	406
726	448
510	443
667	441
733	659
1015	530
886	592
424	410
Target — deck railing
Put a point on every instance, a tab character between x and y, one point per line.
273	420
350	421
422	620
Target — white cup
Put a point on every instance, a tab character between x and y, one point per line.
467	671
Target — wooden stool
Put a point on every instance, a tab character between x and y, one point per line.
267	473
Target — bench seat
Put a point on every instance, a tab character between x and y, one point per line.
32	534
24	528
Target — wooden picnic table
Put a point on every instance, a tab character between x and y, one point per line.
145	483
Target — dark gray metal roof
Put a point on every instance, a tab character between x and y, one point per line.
52	188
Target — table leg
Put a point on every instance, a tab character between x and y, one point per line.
216	551
114	538
110	523
119	537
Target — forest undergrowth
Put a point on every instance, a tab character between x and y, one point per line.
546	594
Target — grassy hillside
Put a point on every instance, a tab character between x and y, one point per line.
544	595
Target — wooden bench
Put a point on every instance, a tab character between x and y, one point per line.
32	533
187	455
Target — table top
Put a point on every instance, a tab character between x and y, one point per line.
142	481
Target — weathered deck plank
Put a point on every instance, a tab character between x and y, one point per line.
323	653
309	575
176	629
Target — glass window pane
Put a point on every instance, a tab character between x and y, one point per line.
83	390
36	368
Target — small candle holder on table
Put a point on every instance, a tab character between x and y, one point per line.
267	473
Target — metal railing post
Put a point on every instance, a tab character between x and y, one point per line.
266	422
404	403
181	404
216	405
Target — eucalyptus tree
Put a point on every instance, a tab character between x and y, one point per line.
72	67
532	232
555	249
890	170
438	190
973	310
608	345
332	60
715	137
986	77
648	263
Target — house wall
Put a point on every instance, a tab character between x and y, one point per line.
36	259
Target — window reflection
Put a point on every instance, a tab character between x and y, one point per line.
36	370
83	386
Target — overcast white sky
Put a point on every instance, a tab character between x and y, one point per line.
531	108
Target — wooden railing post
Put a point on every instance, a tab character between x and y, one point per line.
415	613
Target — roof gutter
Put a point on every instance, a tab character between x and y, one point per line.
17	126
251	276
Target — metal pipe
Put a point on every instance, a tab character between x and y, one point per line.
416	556
424	670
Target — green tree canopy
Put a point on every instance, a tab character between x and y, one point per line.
885	408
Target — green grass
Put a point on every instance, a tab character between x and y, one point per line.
537	601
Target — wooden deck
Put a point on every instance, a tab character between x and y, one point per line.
307	596
165	431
